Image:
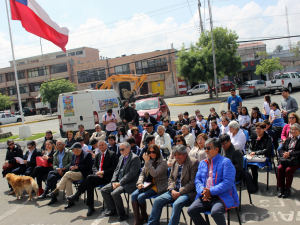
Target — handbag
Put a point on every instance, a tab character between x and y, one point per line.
256	158
10	165
42	162
290	161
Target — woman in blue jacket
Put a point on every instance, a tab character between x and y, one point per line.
215	186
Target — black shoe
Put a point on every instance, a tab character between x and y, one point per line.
122	217
281	193
110	213
286	193
74	197
44	195
254	190
51	194
69	205
53	200
90	212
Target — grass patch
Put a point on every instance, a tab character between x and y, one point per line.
16	137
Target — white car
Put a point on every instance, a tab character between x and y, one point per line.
198	89
6	118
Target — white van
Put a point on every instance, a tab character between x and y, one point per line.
87	108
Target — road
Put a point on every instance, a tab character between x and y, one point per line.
267	209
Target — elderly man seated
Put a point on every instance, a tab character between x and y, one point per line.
124	179
237	136
99	135
181	188
189	138
163	141
215	186
61	164
80	168
103	169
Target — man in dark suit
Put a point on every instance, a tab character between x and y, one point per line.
80	168
180	120
169	130
194	128
149	119
124	179
127	114
29	160
105	163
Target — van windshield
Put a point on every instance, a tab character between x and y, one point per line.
146	105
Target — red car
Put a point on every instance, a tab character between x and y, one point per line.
156	107
225	86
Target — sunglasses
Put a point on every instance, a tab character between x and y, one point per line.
151	152
29	146
291	117
122	149
208	148
11	144
177	141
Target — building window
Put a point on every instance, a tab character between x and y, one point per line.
2	80
71	53
151	66
35	87
23	89
79	52
21	63
63	55
12	91
58	68
11	76
91	75
3	91
123	69
35	72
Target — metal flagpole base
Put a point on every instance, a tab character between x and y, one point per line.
24	132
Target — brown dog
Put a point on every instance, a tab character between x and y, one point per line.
19	183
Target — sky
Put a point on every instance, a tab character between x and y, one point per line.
118	28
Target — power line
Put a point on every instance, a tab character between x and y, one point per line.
192	15
268	39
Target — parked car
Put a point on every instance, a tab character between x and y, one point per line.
156	107
198	89
288	80
6	118
253	87
225	86
27	111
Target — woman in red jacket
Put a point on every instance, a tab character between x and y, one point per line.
293	118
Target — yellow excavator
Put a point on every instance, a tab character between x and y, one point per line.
112	80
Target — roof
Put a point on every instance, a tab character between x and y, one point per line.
252	44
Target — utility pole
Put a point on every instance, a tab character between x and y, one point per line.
213	49
201	24
288	27
170	60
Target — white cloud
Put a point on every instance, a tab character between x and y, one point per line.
142	33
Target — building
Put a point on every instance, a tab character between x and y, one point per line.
33	71
159	66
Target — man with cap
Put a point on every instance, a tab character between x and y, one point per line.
105	163
149	131
80	168
149	119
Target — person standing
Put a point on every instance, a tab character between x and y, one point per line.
137	116
109	120
127	115
234	101
288	104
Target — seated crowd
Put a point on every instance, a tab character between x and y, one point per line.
190	162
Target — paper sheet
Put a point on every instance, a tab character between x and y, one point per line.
20	160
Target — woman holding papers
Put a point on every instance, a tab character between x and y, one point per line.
152	181
44	165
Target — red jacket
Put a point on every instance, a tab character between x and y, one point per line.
285	132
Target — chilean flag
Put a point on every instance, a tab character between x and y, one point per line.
36	21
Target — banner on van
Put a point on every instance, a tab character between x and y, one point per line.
68	104
108	104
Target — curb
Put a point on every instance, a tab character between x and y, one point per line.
35	121
24	143
189	104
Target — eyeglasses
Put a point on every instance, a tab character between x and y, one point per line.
180	116
291	117
208	148
224	143
151	152
122	149
177	141
29	146
96	128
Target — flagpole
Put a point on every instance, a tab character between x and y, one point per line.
15	68
43	59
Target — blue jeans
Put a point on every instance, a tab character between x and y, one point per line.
164	199
141	197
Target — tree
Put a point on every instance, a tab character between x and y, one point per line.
268	66
51	89
278	49
196	64
5	102
263	54
295	48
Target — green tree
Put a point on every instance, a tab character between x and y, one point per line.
268	66
295	48
278	49
263	54
5	102
51	89
196	64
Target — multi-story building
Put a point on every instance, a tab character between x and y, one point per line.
33	71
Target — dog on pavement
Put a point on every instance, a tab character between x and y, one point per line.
19	183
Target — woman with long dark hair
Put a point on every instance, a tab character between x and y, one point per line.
266	108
